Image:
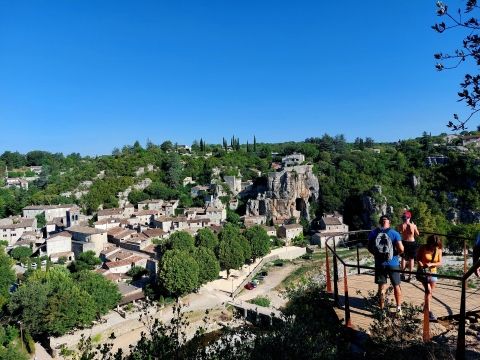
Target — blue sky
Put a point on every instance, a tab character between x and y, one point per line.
88	76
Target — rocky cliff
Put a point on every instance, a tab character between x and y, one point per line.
289	194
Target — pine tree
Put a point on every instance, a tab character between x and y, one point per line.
254	144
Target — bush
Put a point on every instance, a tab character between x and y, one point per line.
278	262
261	301
29	343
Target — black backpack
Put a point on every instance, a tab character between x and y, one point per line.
382	246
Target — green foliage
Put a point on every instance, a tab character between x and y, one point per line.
137	272
230	254
208	266
55	301
41	221
104	293
7	276
87	260
182	240
21	252
259	241
12	352
261	301
206	238
178	273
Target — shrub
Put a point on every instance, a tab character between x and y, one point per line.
261	301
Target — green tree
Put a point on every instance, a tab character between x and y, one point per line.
104	293
182	240
67	307
7	277
230	255
178	273
166	146
206	238
208	266
174	170
21	252
259	241
41	221
87	260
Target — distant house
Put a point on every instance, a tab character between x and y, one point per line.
60	245
105	214
154	204
289	232
271	230
293	160
332	228
68	214
12	229
106	224
472	140
17	182
85	238
436	160
250	221
196	190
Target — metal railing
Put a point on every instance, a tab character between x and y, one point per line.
360	237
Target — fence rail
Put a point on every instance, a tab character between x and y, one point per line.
357	239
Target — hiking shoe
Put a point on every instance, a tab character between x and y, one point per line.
432	316
399	312
407	279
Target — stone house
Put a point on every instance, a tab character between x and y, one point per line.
85	238
196	190
110	223
69	215
289	232
271	230
163	222
250	221
331	227
17	182
60	245
12	229
293	160
153	204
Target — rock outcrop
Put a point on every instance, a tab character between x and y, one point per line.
289	194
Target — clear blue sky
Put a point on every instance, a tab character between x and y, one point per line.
87	76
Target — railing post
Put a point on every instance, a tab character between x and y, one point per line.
358	260
464	256
426	316
348	320
327	264
335	275
461	324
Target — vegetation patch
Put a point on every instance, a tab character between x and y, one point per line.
261	301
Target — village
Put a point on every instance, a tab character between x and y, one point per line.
128	238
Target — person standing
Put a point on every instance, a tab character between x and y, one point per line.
408	230
386	245
429	258
476	254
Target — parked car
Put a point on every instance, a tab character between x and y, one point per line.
250	286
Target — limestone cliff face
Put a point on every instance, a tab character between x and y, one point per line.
288	194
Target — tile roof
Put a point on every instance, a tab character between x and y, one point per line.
85	230
331	220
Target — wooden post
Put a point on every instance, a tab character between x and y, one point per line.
348	320
358	260
327	264
464	256
426	317
460	354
